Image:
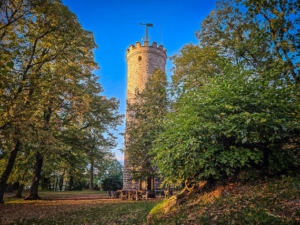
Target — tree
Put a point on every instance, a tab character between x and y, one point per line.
21	172
144	123
50	88
111	175
192	66
242	120
59	99
17	101
256	34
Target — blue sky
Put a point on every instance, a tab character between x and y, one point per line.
115	24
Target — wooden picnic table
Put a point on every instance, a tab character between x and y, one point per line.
133	194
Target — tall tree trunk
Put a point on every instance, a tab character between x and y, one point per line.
33	191
39	159
43	182
21	187
71	182
61	181
151	187
91	186
8	169
55	183
20	190
49	184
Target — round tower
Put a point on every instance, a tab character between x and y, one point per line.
142	60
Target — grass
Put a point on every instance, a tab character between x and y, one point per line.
51	195
101	213
276	201
74	208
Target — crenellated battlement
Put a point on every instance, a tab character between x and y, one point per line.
145	47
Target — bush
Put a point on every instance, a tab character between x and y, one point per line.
112	183
233	123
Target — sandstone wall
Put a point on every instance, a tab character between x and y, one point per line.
142	60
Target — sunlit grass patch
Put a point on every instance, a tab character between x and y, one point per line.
46	195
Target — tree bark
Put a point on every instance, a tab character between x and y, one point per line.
20	186
91	186
150	187
55	183
71	181
61	182
8	169
20	190
33	191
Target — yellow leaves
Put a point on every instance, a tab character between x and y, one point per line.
11	112
53	22
26	99
263	120
228	107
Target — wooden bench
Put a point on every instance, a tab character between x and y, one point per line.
123	195
144	195
112	194
108	194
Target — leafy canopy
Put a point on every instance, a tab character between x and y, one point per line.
236	113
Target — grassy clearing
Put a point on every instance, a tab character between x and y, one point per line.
50	195
63	208
276	201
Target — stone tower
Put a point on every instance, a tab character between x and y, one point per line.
142	60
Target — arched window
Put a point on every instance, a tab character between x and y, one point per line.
140	58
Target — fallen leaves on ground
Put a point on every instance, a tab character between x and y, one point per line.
78	211
273	201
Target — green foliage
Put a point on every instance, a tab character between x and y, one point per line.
146	114
110	174
52	102
230	124
112	183
4	68
192	70
237	107
111	167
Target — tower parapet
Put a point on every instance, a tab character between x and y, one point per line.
138	47
142	60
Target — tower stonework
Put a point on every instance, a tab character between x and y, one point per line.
141	60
